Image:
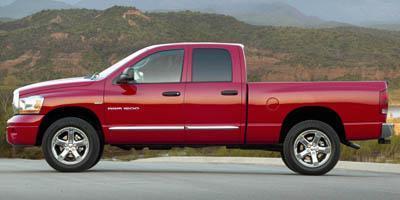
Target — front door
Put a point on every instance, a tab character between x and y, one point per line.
149	110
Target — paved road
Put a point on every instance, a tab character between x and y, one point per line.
163	180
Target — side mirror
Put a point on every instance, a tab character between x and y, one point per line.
128	76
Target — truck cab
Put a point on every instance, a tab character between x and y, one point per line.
180	94
195	95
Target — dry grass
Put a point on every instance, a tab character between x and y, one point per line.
394	96
371	151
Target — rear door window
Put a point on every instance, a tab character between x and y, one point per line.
211	65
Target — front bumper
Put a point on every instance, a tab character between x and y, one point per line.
23	129
386	133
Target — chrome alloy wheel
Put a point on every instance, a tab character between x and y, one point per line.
312	148
70	145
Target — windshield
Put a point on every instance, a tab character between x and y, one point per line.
121	63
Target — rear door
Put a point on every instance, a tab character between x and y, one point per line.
213	97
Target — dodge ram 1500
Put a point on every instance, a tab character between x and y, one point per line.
196	95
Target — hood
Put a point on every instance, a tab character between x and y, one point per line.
54	84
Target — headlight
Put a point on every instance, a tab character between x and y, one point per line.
15	100
29	105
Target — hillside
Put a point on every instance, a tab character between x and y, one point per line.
63	43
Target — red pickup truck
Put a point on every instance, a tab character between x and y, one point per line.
196	95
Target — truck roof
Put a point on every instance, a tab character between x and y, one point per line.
195	43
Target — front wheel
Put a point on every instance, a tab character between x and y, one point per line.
311	147
71	145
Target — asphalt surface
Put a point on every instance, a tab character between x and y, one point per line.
163	180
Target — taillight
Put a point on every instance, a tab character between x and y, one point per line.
384	101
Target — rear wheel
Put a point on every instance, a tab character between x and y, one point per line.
71	145
311	147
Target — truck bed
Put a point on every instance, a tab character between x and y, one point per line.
357	104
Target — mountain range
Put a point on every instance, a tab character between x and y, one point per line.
255	12
23	8
5	19
298	13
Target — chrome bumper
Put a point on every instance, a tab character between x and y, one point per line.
386	133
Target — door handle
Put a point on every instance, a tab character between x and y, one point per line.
229	92
171	94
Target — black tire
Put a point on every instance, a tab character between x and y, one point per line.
94	149
285	161
296	164
99	157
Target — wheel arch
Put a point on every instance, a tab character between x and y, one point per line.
319	113
70	111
